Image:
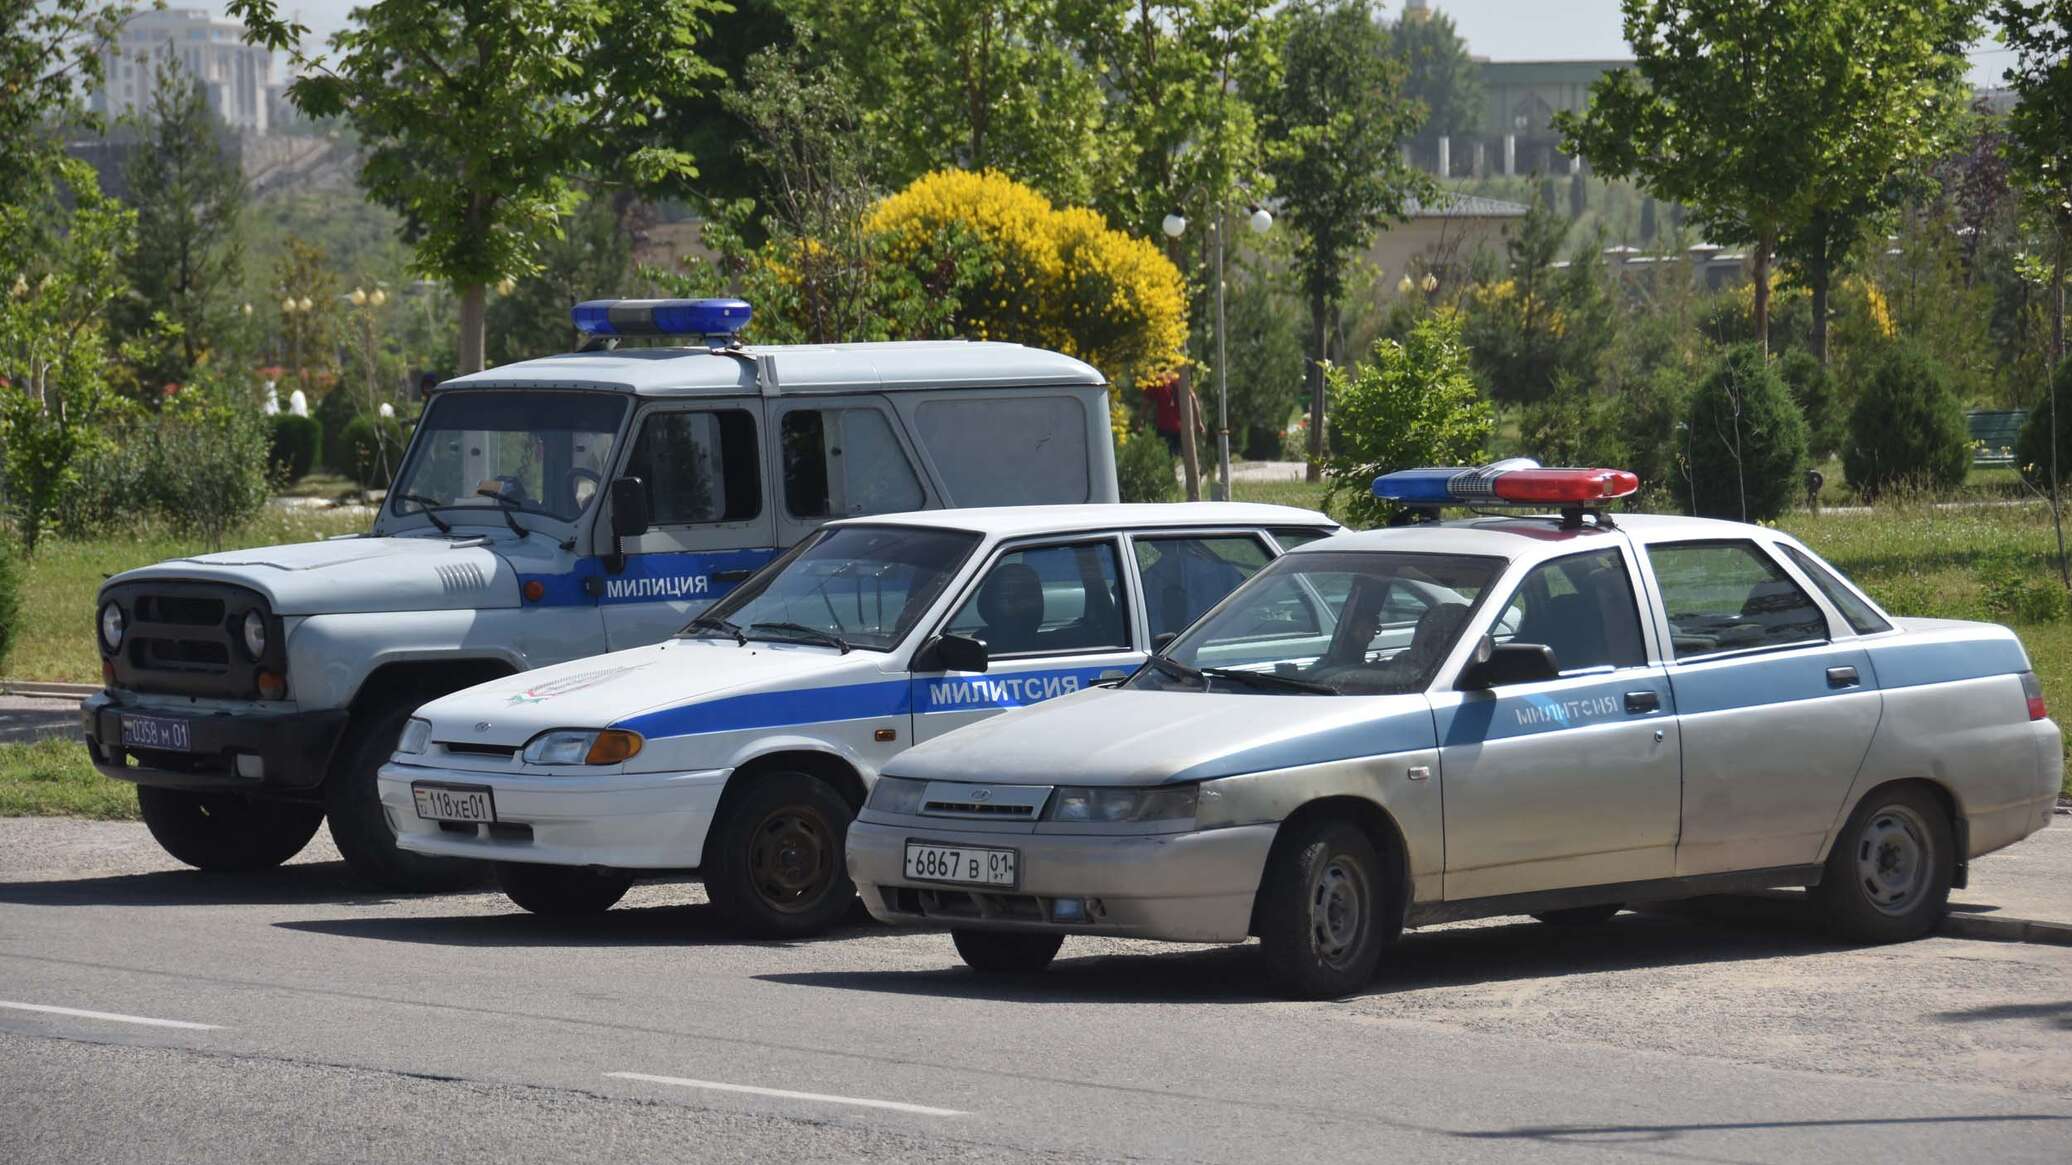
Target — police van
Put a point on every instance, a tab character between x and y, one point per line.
545	511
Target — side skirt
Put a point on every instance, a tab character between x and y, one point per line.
1652	890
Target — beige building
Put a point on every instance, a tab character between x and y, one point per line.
234	75
1443	236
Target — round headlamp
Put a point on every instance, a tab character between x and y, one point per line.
113	624
254	629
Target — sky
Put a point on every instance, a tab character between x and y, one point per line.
1502	30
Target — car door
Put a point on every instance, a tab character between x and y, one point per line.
1567	782
709	527
1776	716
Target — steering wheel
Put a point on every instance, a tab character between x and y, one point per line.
575	479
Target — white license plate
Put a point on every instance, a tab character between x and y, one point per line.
159	732
926	862
468	803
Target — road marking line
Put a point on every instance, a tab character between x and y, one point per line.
112	1017
786	1094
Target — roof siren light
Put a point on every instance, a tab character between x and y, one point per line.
1517	481
713	319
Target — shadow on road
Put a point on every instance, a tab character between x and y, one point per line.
688	925
1641	1134
2054	1014
305	883
1697	933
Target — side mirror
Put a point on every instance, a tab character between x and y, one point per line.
1500	664
952	653
630	516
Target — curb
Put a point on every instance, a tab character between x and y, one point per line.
50	691
2006	930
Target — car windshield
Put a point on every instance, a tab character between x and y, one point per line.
544	452
1329	623
865	586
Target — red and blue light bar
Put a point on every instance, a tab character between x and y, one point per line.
1519	481
661	317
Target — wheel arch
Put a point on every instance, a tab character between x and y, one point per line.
1943	795
425	679
830	767
1372	819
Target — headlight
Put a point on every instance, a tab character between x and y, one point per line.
896	795
583	746
255	634
113	624
416	734
1102	806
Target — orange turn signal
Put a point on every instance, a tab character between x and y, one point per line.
613	746
272	686
534	590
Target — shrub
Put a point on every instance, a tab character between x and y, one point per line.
332	414
296	442
1907	428
1744	444
2032	448
208	469
2014	595
1813	390
1144	468
10	595
1415	404
373	449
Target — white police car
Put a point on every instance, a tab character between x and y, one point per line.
1503	715
742	747
544	511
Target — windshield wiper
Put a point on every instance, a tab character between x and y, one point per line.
429	508
505	506
813	633
715	623
1175	669
1262	679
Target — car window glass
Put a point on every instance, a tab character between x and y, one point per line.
867	584
1292	536
1182	577
1729	596
1048	599
698	467
1857	613
544	452
1008	451
841	463
1581	606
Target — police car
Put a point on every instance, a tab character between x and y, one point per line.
1499	715
545	511
742	746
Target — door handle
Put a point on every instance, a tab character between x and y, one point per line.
1842	677
1639	702
730	575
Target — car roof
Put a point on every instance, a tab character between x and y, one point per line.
1023	521
774	369
1522	535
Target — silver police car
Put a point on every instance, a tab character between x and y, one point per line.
1552	716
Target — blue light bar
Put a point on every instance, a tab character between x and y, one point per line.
1416	487
661	317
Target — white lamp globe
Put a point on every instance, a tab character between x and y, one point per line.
387	410
1262	221
298	404
1174	226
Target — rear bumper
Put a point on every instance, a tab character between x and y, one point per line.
629	821
293	749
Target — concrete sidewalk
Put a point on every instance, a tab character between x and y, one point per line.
2030	881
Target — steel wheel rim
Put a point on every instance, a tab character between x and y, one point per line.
1894	859
791	859
1338	897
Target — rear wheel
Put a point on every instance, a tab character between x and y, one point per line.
562	891
1322	911
1580	916
352	800
1888	876
227	831
775	866
1007	952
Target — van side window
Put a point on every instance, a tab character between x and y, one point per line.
1183	577
699	467
840	463
1729	596
1582	606
1007	451
1048	599
1861	618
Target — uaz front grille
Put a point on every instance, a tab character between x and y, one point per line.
186	638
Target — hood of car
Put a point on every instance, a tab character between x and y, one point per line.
342	575
1108	736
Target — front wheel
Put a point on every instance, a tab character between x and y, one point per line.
562	891
1888	877
352	800
775	866
1322	911
227	831
1007	952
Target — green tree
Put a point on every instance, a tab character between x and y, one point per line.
1335	129
592	258
2039	131
1744	441
188	191
10	595
477	121
51	52
1541	323
1813	390
1907	428
1438	73
1265	359
1415	403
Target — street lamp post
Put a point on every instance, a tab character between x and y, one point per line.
1260	220
1174	226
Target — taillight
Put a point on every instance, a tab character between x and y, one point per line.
2033	688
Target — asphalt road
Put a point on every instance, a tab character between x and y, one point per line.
343	1024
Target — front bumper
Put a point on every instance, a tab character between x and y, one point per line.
1182	887
630	821
294	748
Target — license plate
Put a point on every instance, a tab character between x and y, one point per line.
160	732
468	803
950	863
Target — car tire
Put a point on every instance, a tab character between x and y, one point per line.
776	867
359	825
561	891
227	831
1323	910
1006	952
1887	879
1576	917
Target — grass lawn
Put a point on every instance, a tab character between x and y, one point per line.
51	778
